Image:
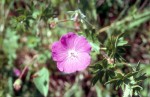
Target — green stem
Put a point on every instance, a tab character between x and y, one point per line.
128	19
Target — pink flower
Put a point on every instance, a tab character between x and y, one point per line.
71	53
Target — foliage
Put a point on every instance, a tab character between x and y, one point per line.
42	80
117	30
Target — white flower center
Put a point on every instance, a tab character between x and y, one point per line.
72	54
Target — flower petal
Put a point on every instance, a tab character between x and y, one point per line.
67	66
82	45
58	51
76	64
84	60
68	39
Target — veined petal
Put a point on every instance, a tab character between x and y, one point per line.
84	60
77	64
82	45
67	66
58	51
68	40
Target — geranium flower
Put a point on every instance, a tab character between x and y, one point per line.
71	53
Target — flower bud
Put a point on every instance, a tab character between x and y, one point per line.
52	24
17	84
110	60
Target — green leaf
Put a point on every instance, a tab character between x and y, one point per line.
138	22
95	47
130	74
96	78
96	66
141	78
137	86
42	81
119	75
138	66
127	91
121	42
112	81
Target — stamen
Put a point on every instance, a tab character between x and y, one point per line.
72	54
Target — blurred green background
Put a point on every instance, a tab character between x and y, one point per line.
29	27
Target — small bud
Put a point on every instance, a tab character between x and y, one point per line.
17	84
52	24
110	60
